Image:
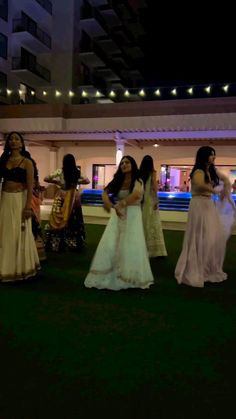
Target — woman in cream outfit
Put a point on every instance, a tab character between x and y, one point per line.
18	254
121	259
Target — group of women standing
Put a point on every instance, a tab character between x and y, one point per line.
133	234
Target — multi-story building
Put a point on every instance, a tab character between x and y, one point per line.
83	45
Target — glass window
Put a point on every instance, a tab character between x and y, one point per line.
3	46
3	84
102	175
4	9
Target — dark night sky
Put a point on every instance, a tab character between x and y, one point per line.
188	45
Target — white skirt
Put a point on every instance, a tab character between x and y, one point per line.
204	246
121	259
18	253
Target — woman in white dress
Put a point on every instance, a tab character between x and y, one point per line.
18	254
150	210
121	259
207	231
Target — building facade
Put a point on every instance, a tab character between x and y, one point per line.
85	48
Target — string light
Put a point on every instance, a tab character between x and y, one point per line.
208	89
141	92
174	92
157	92
164	92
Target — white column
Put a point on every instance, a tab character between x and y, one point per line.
52	159
120	147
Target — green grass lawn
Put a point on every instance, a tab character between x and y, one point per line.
69	352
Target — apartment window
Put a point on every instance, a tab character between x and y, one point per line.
4	9
3	84
102	175
3	46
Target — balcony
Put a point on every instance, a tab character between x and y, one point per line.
4	10
46	5
28	33
30	71
3	85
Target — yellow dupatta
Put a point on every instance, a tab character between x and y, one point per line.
62	208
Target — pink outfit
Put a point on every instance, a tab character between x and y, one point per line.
204	246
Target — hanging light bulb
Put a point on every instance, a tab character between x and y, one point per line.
141	92
112	93
58	93
127	93
98	94
190	91
84	93
157	92
71	94
174	92
226	88
44	93
208	89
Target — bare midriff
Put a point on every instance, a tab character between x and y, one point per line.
10	186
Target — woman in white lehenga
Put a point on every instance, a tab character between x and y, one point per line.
18	254
121	259
208	227
150	210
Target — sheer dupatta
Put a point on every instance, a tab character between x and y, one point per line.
227	211
225	204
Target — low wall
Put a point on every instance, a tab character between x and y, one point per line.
171	220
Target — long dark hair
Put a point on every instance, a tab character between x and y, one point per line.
70	171
115	185
146	168
7	151
35	169
202	158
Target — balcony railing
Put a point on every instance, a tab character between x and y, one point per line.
46	4
3	84
22	63
28	25
4	9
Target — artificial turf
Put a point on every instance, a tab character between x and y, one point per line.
69	352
